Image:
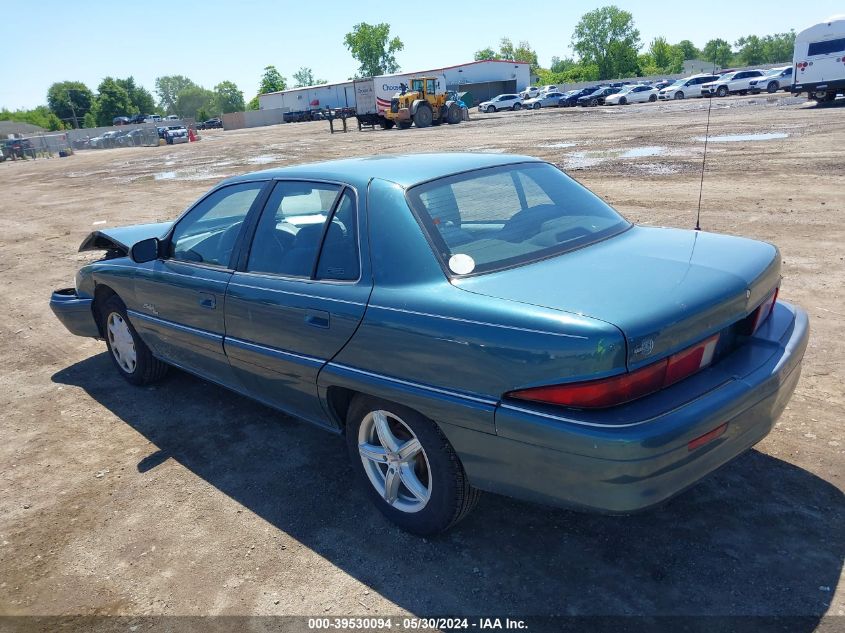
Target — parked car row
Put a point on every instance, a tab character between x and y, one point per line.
622	93
210	124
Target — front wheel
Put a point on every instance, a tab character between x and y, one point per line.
407	466
772	88
491	109
130	355
516	106
722	91
536	106
679	95
423	116
652	98
622	101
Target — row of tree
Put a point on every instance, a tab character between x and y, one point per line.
607	44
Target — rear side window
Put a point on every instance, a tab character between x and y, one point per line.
828	47
300	220
505	216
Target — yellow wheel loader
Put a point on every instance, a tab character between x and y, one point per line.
424	103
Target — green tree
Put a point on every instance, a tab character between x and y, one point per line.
666	57
779	47
717	51
90	120
253	104
305	77
42	116
168	88
689	50
142	100
486	53
521	53
751	50
227	98
608	39
112	101
561	65
194	101
272	81
373	48
68	97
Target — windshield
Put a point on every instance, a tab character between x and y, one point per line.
679	82
499	217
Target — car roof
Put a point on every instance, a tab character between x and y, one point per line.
405	170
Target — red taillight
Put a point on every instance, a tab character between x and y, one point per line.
609	392
763	311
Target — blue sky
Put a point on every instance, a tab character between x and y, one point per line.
211	41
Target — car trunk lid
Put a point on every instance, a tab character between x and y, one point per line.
665	289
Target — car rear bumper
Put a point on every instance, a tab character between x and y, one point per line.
74	312
640	463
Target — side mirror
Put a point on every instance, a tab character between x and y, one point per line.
145	250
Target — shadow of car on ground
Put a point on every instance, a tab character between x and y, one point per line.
760	537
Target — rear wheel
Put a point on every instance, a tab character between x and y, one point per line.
423	116
722	91
130	355
410	471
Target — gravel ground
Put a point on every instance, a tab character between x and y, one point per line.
186	499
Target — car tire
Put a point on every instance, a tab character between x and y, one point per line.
516	106
773	87
679	95
623	101
491	109
722	91
594	102
536	106
652	98
130	355
437	494
453	114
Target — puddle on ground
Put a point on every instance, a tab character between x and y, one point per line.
733	138
166	175
187	175
263	160
644	152
558	145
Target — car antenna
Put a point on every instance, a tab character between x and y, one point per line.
704	159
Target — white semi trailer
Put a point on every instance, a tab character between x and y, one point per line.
819	60
373	95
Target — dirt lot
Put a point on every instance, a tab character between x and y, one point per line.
187	499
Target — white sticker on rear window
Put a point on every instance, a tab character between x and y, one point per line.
461	264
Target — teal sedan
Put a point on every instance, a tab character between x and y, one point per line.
469	322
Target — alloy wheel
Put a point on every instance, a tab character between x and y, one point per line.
394	461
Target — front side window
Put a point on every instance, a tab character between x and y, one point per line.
505	216
299	219
207	233
430	86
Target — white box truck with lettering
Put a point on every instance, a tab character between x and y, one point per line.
819	60
373	96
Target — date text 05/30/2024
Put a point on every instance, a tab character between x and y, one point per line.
414	624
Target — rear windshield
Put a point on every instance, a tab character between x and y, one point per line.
504	216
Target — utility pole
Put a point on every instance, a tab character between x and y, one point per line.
73	110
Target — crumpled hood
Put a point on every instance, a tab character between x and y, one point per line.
664	288
122	238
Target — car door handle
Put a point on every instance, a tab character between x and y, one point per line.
207	301
317	318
